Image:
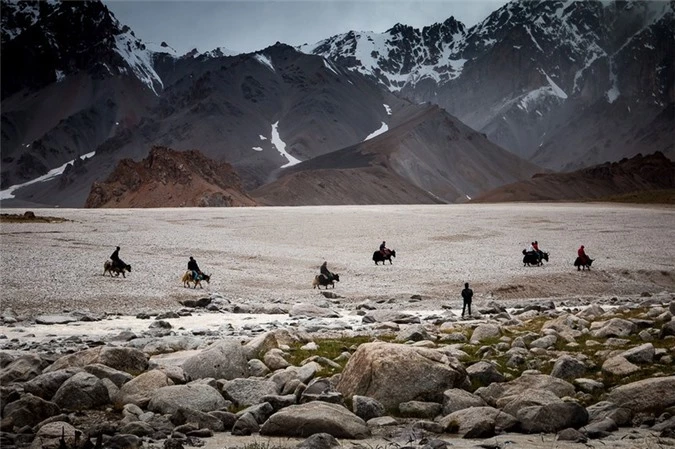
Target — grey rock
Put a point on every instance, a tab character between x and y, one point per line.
315	417
457	399
319	441
201	419
640	354
415	332
605	409
139	390
30	410
257	368
462	421
511	404
46	385
619	366
49	435
570	434
22	369
367	408
102	371
129	360
138	428
484	373
648	395
552	417
544	342
419	409
616	327
567	367
395	373
202	398
483	332
80	392
222	360
249	391
383	316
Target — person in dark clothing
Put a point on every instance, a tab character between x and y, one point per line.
325	272
115	257
192	266
467	294
383	249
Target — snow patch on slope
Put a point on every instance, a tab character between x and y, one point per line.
281	147
51	174
264	60
377	132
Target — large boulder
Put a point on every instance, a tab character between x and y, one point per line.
493	392
511	404
250	391
616	327
198	397
315	417
457	399
551	418
484	332
129	360
47	384
81	392
567	367
648	395
223	360
49	436
102	371
463	421
394	373
30	410
22	369
484	373
139	390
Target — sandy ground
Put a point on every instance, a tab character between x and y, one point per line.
270	255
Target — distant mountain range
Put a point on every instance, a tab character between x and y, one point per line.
651	173
536	86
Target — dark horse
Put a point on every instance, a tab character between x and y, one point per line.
579	263
378	257
321	279
532	258
111	267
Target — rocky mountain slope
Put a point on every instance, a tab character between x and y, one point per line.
567	84
427	156
562	84
169	178
638	174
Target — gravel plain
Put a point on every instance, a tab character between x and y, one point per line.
270	255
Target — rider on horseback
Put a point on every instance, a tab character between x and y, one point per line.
194	268
384	250
325	272
116	261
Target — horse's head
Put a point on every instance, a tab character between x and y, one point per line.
207	278
393	253
128	268
336	277
545	256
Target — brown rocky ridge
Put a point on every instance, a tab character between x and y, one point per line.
654	174
169	178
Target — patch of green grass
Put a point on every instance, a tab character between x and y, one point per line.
330	348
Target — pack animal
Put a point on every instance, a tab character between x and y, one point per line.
109	267
583	264
379	257
530	258
187	279
321	279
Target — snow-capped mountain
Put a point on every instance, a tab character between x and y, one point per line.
529	69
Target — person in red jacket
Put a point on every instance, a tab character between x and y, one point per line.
583	258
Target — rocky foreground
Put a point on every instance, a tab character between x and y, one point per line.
579	372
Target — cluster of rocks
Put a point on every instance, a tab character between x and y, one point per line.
540	369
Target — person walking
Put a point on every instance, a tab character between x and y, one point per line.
467	295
